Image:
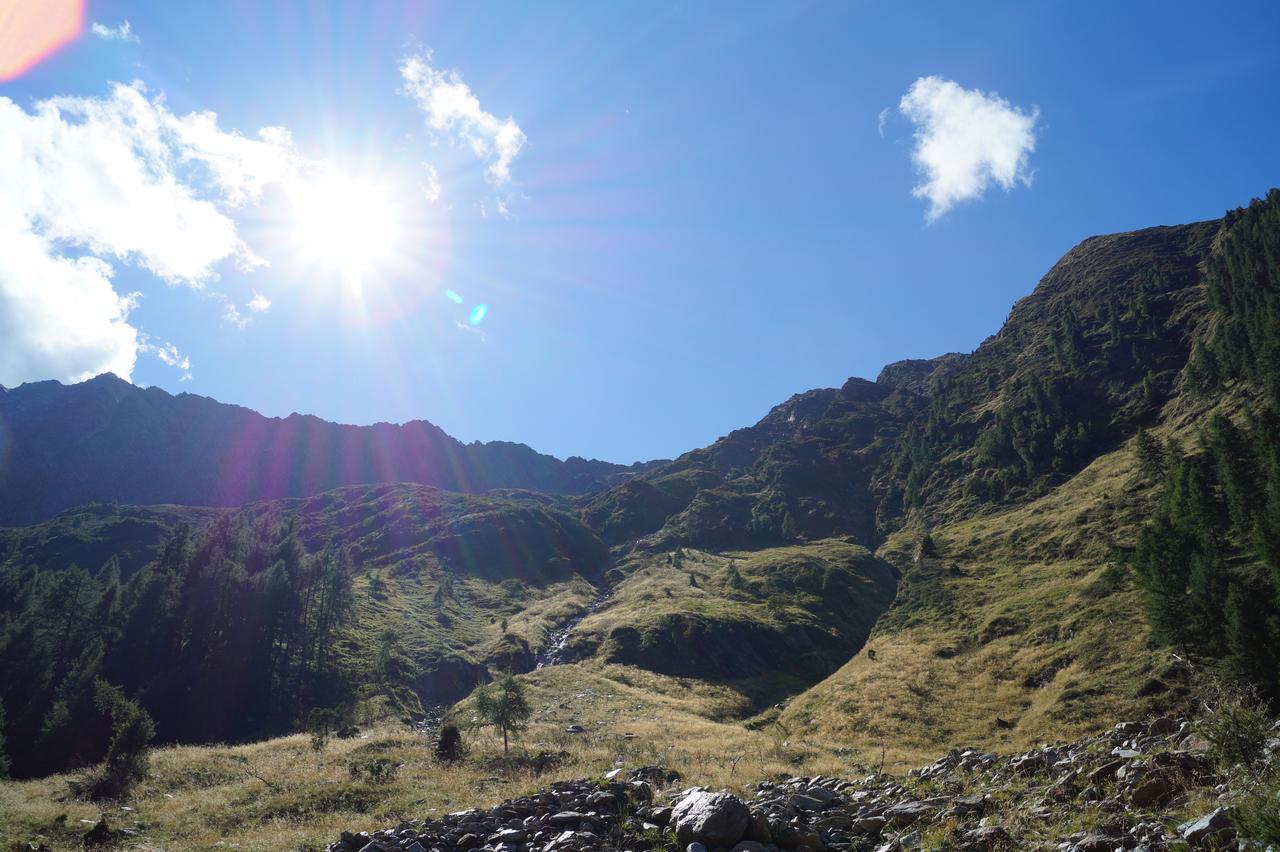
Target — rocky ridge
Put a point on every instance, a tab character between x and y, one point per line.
1139	786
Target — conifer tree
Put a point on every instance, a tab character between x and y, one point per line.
503	705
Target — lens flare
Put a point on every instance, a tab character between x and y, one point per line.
478	314
453	297
33	30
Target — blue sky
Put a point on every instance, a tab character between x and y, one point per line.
678	215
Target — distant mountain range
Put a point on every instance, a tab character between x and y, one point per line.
106	440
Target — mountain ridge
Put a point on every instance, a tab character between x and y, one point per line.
106	440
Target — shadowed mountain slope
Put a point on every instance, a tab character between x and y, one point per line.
105	440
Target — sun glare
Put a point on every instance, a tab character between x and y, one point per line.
345	224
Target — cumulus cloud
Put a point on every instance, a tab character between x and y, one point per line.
965	141
123	32
451	108
259	304
87	182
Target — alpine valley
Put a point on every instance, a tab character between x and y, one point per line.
1047	571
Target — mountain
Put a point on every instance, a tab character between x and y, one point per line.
1078	367
995	548
106	440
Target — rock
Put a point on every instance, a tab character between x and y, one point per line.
1105	771
575	729
509	835
566	818
749	846
793	836
716	819
1162	727
1096	842
1028	764
1194	743
1153	791
986	838
870	825
758	827
805	803
822	794
695	847
908	813
1212	829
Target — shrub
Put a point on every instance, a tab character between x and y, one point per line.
376	770
128	752
320	723
1258	814
449	746
1236	725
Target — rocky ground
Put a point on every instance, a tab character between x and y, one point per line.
1139	786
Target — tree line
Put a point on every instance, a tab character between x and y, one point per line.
228	635
1209	560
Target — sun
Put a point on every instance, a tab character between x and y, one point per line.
345	224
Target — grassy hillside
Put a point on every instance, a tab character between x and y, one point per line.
1019	630
280	794
768	623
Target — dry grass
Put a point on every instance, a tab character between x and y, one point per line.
1018	619
280	794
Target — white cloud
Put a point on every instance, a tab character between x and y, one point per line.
431	187
59	316
168	354
451	108
89	181
124	32
966	140
259	304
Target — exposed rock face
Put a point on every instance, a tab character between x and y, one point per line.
715	819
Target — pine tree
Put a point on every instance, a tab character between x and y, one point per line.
129	750
503	705
1152	462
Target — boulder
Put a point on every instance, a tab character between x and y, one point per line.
1209	831
1153	791
715	819
908	813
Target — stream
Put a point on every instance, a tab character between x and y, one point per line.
554	652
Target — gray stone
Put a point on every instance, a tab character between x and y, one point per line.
716	819
749	846
907	813
1212	827
805	803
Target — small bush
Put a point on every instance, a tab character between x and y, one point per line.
1236	725
128	753
320	723
1258	814
376	770
449	746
